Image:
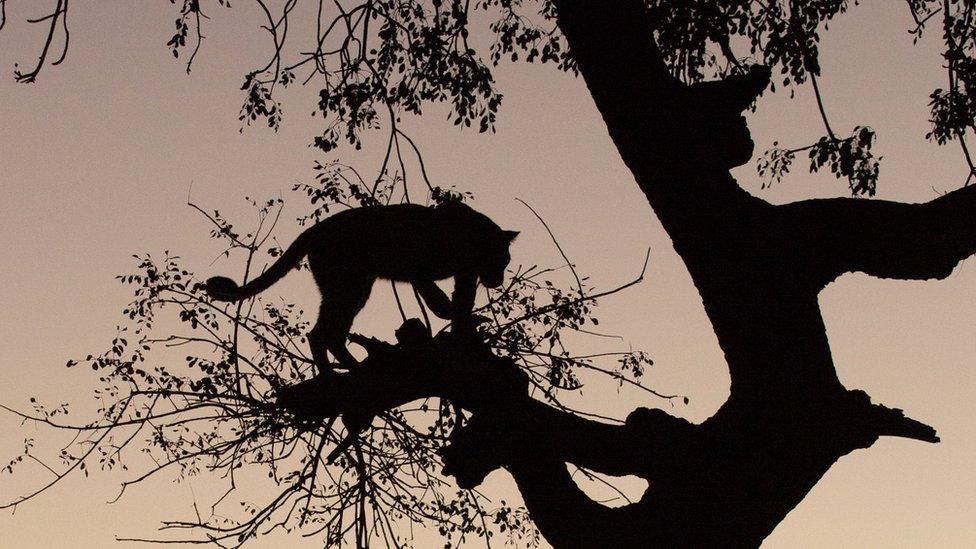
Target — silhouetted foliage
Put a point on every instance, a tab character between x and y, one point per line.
214	408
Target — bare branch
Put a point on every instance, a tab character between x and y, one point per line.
60	13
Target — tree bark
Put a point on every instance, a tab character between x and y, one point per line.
759	269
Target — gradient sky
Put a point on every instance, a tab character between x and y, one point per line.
97	158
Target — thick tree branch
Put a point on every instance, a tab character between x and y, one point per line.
742	470
884	239
505	423
567	516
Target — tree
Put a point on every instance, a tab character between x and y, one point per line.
730	480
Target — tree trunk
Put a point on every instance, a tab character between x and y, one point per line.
759	269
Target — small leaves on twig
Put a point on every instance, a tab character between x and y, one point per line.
850	158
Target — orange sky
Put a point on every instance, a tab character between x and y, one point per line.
96	160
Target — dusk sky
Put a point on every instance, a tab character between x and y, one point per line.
97	160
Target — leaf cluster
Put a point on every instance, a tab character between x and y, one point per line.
187	388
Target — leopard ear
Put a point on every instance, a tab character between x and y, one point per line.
509	236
